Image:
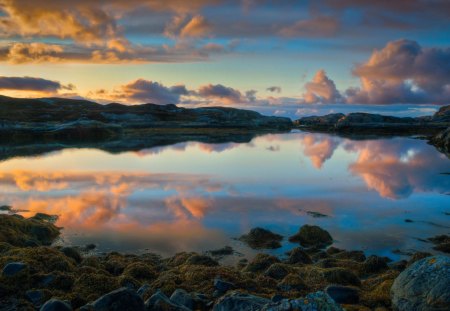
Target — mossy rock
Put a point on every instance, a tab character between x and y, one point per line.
292	282
261	262
201	260
93	285
19	231
140	271
259	238
277	271
312	236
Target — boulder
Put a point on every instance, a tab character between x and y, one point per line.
319	301
181	297
13	268
276	271
261	262
160	302
343	294
35	297
312	236
240	301
298	256
223	286
259	238
56	305
423	286
201	260
122	299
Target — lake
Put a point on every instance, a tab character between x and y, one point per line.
383	196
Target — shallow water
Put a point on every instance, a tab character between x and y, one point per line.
196	196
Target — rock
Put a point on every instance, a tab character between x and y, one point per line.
416	257
423	286
441	242
223	286
312	236
343	294
73	253
398	265
201	260
144	289
276	298
298	256
182	298
35	297
225	251
56	305
442	141
122	299
291	282
13	268
341	276
261	262
358	256
159	302
276	271
259	238
240	301
374	264
318	301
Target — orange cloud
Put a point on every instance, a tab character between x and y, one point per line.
318	148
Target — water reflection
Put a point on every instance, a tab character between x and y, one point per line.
196	196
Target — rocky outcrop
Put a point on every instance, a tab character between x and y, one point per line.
367	123
69	119
259	238
442	141
423	286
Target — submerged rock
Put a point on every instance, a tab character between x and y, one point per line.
312	236
259	238
423	286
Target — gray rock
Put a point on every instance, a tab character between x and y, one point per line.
56	305
35	297
122	299
423	286
143	290
318	301
182	298
240	301
223	286
343	294
160	302
13	268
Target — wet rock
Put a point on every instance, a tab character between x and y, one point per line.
73	253
261	262
159	302
182	298
201	260
351	255
312	236
143	290
441	242
343	294
416	257
13	268
35	297
225	251
56	305
423	286
315	301
240	301
223	286
259	238
298	256
374	264
276	271
122	299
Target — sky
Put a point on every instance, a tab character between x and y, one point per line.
280	57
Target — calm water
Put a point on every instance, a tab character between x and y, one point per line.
195	196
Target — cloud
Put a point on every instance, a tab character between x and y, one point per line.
143	91
32	84
198	26
274	89
403	72
317	26
321	90
319	148
221	93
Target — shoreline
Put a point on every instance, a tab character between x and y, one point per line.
313	268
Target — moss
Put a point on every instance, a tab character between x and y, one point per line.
93	262
312	236
261	262
129	282
93	285
72	253
178	259
376	290
277	271
140	271
341	276
19	231
292	282
201	260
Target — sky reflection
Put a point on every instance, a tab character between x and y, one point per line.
195	196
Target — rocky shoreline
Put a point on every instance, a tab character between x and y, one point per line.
312	276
